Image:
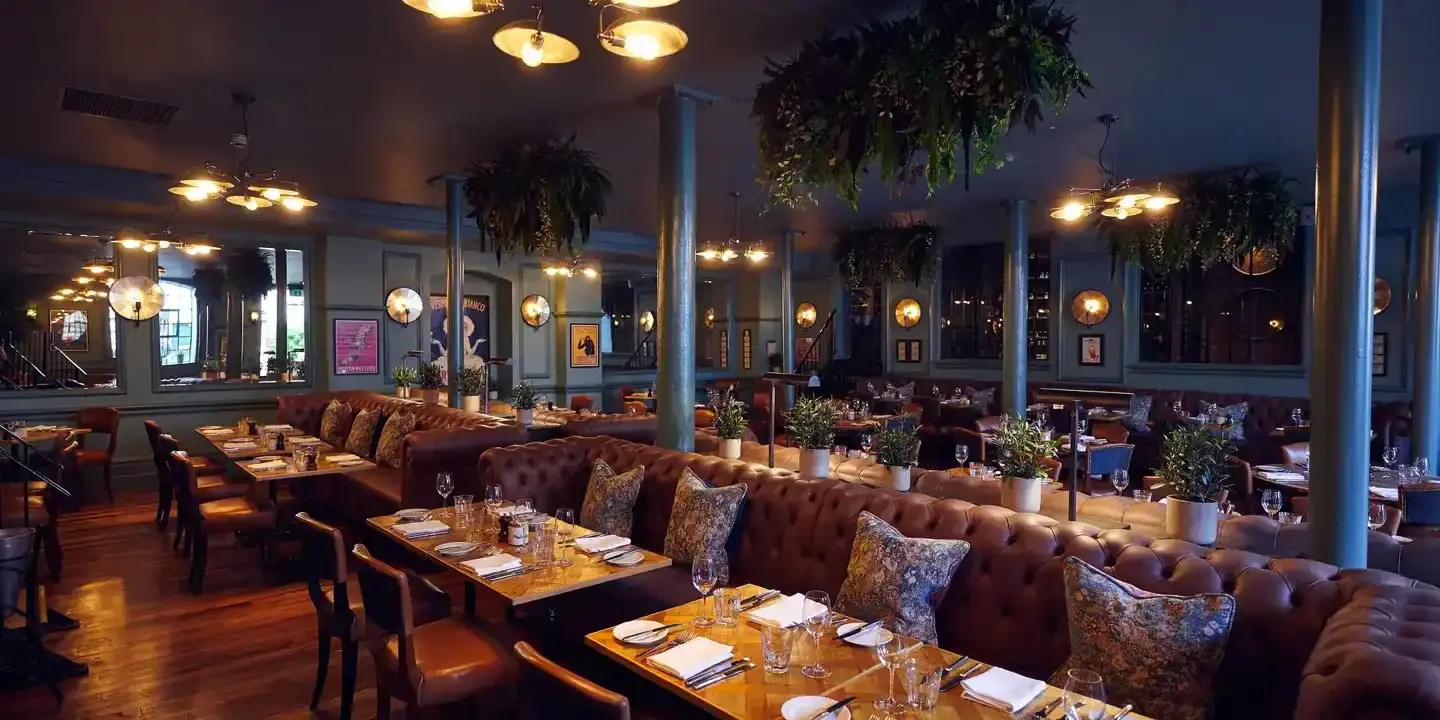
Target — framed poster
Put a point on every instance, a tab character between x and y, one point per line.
802	348
71	330
476	323
724	348
908	351
1379	363
745	349
584	345
357	347
1092	349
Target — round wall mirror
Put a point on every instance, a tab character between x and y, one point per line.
907	313
806	315
1382	295
647	321
1260	261
1090	307
403	306
535	310
136	298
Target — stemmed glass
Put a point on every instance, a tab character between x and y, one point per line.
704	575
1390	455
1121	480
815	625
1271	502
1297	417
564	529
1178	408
1084	696
1422	467
444	485
1376	517
494	497
889	649
962	453
867	443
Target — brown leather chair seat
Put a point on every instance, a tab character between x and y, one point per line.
237	514
209	488
454	660
428	606
98	456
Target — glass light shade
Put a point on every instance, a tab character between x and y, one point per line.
448	9
645	3
249	202
535	310
296	203
590	273
1090	307
403	305
200	249
756	253
1160	199
273	193
191	192
728	254
207	181
1070	211
515	37
643	39
647	321
1120	212
907	313
82	280
806	315
136	298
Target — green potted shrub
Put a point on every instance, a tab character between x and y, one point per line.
811	427
730	422
471	385
525	399
1193	465
896	448
404	377
1021	451
430	377
210	369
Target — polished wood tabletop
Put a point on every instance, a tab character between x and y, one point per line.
854	671
585	570
289	472
34	436
292	443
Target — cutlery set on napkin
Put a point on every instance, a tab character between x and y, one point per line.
426	528
701	662
268	465
344	459
1002	689
1281	476
216	431
600	543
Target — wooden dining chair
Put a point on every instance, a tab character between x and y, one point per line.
581	402
437	663
554	691
1296	454
165	490
243	513
1110	431
99	421
975	437
211	484
1420	510
46	505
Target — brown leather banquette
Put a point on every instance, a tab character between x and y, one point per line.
635	428
1006	604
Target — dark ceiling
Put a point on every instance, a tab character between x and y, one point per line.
368	98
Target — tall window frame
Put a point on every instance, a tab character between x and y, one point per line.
177	320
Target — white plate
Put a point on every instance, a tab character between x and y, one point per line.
807	706
452	549
412	514
870	638
626	629
267	458
632	558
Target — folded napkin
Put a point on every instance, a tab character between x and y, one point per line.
787	612
1387	493
601	543
490	565
687	660
342	458
239	445
304	441
1000	688
422	529
1281	476
273	428
268	465
219	431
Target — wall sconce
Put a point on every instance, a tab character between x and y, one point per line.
403	306
32	312
137	298
709	318
647	321
907	313
806	315
1090	307
535	310
254	317
1382	295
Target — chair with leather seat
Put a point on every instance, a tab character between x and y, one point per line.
581	402
1296	454
165	490
1420	510
975	437
1100	463
438	663
244	513
211	484
1110	431
101	421
554	691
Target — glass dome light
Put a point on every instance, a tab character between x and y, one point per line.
249	202
518	40
643	38
448	9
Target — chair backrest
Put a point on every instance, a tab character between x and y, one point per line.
704	417
323	553
104	420
988	423
555	690
1296	453
388	611
635	407
1300	504
1420	504
182	474
1106	459
581	402
1110	431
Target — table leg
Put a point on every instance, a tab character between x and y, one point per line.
274	493
469	600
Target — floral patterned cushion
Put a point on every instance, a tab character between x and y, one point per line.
1138	417
387	451
335	423
609	505
891	575
1159	652
361	439
701	518
981	399
1235	418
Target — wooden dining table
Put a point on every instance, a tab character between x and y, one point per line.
1381	479
290	472
854	671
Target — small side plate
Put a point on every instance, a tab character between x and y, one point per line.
630	559
455	549
627	629
412	514
870	638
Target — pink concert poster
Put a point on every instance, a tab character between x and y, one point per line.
357	347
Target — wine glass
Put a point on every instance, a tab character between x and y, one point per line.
444	485
1422	467
1297	417
1270	502
494	496
962	454
1084	696
889	649
1376	517
704	575
867	443
564	529
1120	479
815	624
1390	455
1178	408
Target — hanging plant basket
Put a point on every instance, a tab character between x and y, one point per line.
250	272
880	254
1223	218
909	95
537	197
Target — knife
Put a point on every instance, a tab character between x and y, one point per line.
732	672
571	541
757	598
1044	712
618	553
1123	712
512	573
953	666
857	631
709	672
651	631
952	682
827	712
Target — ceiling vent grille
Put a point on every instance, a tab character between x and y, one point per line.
116	107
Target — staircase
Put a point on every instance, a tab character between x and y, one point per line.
821	351
31	360
645	356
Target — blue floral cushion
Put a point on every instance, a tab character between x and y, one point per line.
1160	652
1137	419
891	575
701	518
1235	419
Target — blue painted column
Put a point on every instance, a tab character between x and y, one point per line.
1425	417
1015	347
1346	157
675	270
786	257
454	282
841	329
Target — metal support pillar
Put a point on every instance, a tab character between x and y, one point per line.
454	282
1015	350
1425	420
1346	156
786	257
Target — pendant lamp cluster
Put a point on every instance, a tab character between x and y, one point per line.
240	185
729	250
1115	198
631	34
569	267
136	240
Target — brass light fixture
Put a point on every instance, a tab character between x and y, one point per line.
729	250
634	35
907	313
647	321
1115	198
446	9
136	298
535	311
642	38
570	267
242	186
1382	295
403	306
806	315
709	318
1090	307
529	41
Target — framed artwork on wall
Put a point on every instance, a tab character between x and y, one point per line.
1379	363
1092	349
908	351
745	349
476	323
584	345
71	330
357	347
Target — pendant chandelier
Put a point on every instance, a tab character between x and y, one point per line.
1115	198
634	35
755	252
570	267
242	186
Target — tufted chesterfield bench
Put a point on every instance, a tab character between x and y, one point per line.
1307	635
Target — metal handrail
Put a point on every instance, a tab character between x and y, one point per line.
814	348
15	353
70	360
633	362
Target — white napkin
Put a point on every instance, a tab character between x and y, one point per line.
1281	476
1000	688
274	428
268	465
490	565
1387	493
219	431
239	446
601	543
787	612
422	529
342	457
304	441
688	659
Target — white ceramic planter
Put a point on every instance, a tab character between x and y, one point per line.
430	397
730	449
527	417
1021	494
402	392
470	403
899	477
1191	521
284	377
815	463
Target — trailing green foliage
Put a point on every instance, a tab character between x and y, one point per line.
730	420
250	272
537	197
879	254
1021	448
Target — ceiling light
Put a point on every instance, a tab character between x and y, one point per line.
528	41
647	4
643	38
296	203
448	9
1122	198
57	296
249	202
98	267
709	251
148	246
109	281
82	280
756	253
259	189
1071	210
1120	212
1160	199
67	291
590	273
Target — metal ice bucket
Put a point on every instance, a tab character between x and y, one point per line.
16	545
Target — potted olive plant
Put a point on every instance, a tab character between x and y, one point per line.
1022	449
210	369
430	377
524	399
471	385
404	377
730	422
1194	469
811	427
895	448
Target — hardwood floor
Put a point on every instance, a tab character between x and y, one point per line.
244	649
